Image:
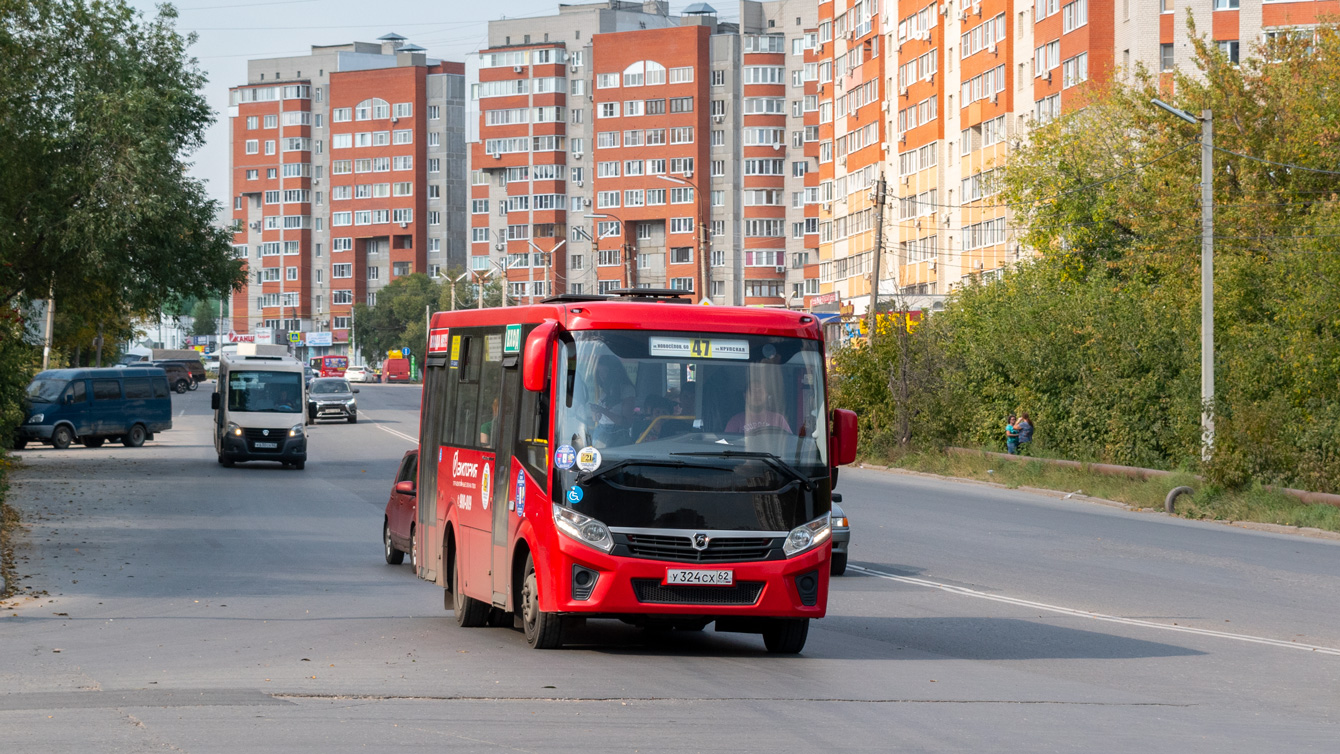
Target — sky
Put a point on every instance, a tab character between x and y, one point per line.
231	32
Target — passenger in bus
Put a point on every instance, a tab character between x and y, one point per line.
486	429
613	404
654	407
756	416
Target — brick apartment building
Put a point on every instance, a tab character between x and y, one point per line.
348	171
613	144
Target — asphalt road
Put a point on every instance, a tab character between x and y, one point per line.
193	608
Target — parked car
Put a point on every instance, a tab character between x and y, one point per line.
92	406
194	366
396	370
841	537
178	377
356	374
331	398
402	511
308	374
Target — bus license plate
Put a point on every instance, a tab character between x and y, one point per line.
267	444
699	577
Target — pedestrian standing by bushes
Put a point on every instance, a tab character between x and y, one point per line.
1011	436
1025	428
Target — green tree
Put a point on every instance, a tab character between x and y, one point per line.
398	320
99	111
206	317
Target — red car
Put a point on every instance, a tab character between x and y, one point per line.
401	511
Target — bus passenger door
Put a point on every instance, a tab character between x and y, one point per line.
511	490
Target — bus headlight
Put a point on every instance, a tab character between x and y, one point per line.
295	430
233	430
807	536
582	528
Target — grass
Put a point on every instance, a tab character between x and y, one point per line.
1208	502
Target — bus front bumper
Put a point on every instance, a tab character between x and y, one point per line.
287	450
792	588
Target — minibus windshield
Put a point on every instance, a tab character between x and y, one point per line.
259	390
46	391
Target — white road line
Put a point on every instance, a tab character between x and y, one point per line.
401	435
965	592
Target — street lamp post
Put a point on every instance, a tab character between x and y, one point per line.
1206	122
624	248
547	255
481	275
704	239
454	281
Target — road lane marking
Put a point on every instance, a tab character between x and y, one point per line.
965	592
384	428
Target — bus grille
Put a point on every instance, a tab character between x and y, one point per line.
652	591
255	435
719	549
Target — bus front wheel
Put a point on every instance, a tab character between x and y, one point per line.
786	636
543	630
470	612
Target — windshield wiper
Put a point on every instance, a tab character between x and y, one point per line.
772	459
597	473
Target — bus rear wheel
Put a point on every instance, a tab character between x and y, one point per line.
543	630
470	612
786	636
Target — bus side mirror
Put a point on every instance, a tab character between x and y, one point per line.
842	444
214	401
535	365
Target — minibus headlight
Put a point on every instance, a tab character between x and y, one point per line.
582	528
295	430
36	418
234	430
807	536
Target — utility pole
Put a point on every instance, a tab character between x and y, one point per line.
879	252
1206	122
46	340
1207	282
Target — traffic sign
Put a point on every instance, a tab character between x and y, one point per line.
405	351
295	337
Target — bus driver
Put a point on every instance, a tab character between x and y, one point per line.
756	416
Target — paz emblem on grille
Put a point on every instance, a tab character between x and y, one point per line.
700	541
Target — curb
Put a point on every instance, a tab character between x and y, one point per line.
1297	531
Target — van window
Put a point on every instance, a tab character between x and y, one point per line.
106	390
160	388
78	391
138	387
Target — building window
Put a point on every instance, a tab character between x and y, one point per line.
681	255
1229	48
1166	62
253	146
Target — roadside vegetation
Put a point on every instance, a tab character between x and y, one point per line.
1098	337
1210	502
398	318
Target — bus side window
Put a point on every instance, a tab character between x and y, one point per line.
465	422
490	391
532	439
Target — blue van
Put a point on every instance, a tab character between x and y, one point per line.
96	405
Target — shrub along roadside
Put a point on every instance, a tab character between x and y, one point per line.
1209	502
9	521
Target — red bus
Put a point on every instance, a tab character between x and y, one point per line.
624	457
329	366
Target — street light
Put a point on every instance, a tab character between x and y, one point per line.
454	281
546	256
1206	121
704	238
624	246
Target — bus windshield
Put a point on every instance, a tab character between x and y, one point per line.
671	395
253	391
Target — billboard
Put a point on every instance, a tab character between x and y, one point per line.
319	339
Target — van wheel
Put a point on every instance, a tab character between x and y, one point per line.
135	437
181	386
93	442
225	461
393	556
61	437
543	630
299	465
786	636
470	612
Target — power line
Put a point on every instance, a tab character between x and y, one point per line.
1277	164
